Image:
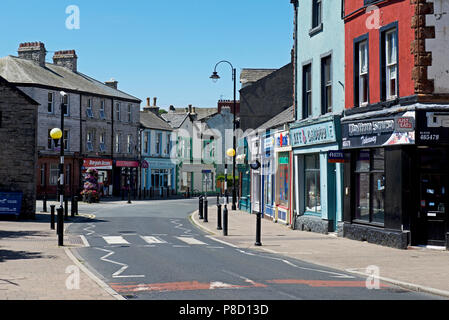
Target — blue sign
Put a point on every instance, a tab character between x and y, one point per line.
10	203
337	156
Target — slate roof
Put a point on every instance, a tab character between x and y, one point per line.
149	120
252	75
282	118
21	71
20	92
175	120
201	112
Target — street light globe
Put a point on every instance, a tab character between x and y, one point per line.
56	134
230	152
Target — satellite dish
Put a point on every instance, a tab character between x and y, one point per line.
255	165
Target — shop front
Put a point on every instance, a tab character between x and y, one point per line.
396	177
283	181
104	168
268	178
159	175
318	178
125	173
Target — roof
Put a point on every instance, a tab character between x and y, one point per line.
282	118
150	120
21	71
201	112
175	120
253	75
20	92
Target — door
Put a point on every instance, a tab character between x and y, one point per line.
433	208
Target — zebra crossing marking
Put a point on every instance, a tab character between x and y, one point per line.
152	239
190	240
115	240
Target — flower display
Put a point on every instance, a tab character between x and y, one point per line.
90	192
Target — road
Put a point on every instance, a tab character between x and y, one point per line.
150	250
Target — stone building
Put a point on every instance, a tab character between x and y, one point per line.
101	122
18	156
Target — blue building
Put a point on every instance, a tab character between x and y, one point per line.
319	103
158	170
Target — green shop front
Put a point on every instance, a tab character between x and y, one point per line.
318	177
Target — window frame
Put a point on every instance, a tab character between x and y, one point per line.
118	137
51	103
129	143
317	17
89	140
118	111
65	100
384	67
325	84
307	110
364	39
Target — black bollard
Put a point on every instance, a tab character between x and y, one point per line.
52	217
44	209
219	217
60	226
225	220
66	208
205	209
258	227
76	205
72	207
200	207
123	194
129	196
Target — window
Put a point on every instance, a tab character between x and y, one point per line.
102	110
50	142
117	112
66	140
168	144
307	91
129	112
90	145
51	100
370	185
129	143
117	142
102	142
316	13
361	81
66	104
145	142
89	110
158	143
312	183
389	64
43	174
326	85
54	174
282	179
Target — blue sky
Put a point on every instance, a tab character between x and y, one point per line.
158	48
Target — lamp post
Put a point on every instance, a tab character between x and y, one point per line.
215	78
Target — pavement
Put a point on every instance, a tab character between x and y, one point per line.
34	267
418	269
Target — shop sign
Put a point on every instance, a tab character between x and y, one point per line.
314	134
10	203
336	156
432	127
268	143
127	164
99	164
397	130
145	164
282	140
284	160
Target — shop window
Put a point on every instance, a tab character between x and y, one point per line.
370	186
282	179
312	183
54	174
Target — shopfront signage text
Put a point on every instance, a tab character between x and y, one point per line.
127	164
104	164
314	134
282	140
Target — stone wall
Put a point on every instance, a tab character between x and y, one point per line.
18	156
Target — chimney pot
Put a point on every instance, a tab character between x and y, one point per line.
155	101
148	102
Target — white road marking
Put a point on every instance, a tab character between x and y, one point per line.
152	240
115	240
190	240
117	274
85	242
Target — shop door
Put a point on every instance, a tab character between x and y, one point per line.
433	214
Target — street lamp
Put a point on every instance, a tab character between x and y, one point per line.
215	77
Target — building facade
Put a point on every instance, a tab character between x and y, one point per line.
319	103
100	124
18	158
395	129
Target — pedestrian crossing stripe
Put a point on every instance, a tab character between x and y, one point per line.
115	240
152	240
190	240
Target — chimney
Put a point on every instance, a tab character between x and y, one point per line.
112	83
67	59
155	101
149	108
172	108
34	51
